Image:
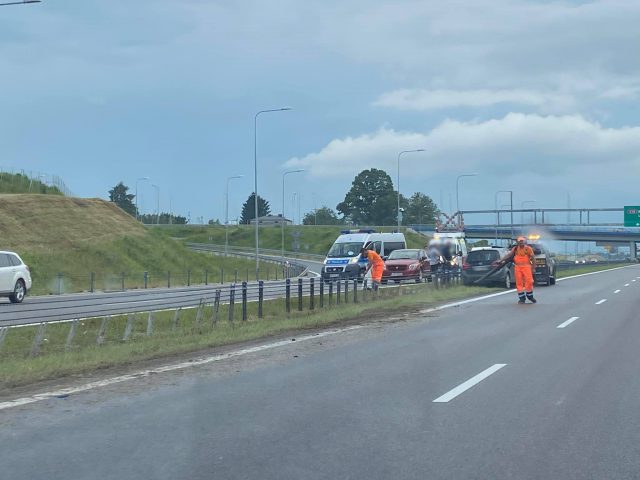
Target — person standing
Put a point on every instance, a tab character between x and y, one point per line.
435	259
376	265
524	260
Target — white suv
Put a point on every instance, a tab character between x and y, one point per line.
15	278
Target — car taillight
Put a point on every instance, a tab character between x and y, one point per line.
466	266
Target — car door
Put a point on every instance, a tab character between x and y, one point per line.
6	273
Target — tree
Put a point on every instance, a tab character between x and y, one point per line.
249	209
121	198
371	200
322	216
419	209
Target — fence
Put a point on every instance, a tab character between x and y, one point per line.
224	305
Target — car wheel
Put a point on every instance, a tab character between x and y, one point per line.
552	280
507	281
19	292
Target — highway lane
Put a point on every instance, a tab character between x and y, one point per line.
388	401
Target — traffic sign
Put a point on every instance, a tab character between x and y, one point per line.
632	216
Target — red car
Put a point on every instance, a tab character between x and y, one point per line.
406	264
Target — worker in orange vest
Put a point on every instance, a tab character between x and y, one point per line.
376	265
524	266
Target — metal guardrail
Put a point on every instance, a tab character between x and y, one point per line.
267	252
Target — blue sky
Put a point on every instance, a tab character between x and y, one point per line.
537	97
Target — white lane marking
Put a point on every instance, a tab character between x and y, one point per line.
617	291
626	284
568	322
601	301
463	387
633	280
167	368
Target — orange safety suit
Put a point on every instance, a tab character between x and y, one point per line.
377	265
524	261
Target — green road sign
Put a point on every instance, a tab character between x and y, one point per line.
632	216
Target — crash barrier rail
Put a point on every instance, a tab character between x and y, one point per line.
268	253
196	314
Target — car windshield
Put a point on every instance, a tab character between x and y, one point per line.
404	255
350	249
483	256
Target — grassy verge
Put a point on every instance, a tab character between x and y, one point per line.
193	332
589	268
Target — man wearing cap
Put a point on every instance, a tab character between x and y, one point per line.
524	265
376	265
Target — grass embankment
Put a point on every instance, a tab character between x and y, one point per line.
74	237
313	239
19	183
18	367
568	272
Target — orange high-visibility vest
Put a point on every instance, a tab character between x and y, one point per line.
523	255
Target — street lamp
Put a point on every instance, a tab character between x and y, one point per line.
457	188
255	171
19	3
510	192
226	214
522	208
398	179
283	216
138	180
157	203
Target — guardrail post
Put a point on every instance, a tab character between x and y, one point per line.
235	278
92	282
260	297
169	279
247	277
267	273
122	282
72	333
37	341
338	292
330	292
176	319
299	294
321	292
346	290
232	298
199	313
287	295
103	330
216	308
129	327
355	290
188	278
150	320
222	276
146	279
311	293
244	301
3	335
59	284
206	277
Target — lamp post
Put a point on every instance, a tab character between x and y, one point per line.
157	203
255	172
398	179
226	214
139	180
283	216
19	3
510	192
458	187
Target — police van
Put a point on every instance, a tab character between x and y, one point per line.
343	259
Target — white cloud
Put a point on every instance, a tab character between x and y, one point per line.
535	144
421	99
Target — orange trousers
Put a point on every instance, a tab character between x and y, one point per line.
376	273
524	278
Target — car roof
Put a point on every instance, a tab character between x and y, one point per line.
476	249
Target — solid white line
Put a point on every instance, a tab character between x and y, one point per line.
617	291
463	387
568	322
167	368
601	301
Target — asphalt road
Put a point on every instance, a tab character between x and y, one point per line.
484	390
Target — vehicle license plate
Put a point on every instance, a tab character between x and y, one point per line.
334	275
396	274
482	269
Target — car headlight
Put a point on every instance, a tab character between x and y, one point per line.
354	260
413	266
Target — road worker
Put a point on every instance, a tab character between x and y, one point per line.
524	266
375	264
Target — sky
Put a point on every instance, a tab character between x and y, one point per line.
537	97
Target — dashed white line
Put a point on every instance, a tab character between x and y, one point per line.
633	280
601	301
626	284
568	322
463	387
617	291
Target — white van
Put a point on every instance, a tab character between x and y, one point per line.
457	243
343	259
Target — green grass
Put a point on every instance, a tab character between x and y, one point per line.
18	367
19	183
588	269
